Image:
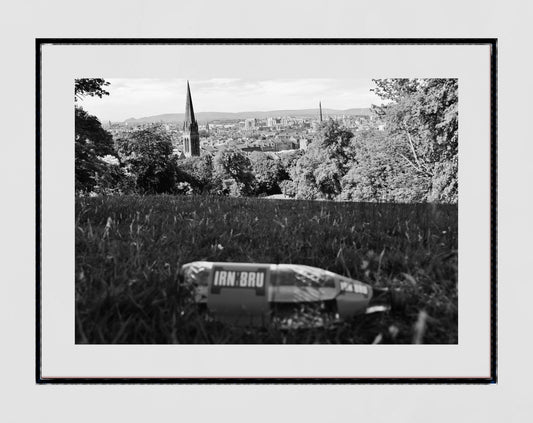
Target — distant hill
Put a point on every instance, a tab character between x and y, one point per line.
211	116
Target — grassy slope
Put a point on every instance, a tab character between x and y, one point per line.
129	251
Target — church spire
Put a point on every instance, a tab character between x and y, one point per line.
191	138
189	110
320	108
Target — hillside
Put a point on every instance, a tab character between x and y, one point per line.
210	116
129	250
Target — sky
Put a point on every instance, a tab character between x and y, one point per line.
148	97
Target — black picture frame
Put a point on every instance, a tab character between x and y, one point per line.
492	42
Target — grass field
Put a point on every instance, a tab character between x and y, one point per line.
129	251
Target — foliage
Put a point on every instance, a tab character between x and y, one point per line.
233	172
445	186
234	188
96	167
304	183
319	171
198	170
268	173
92	87
91	143
335	140
147	156
232	163
129	249
413	160
111	179
289	159
184	188
421	117
377	173
288	188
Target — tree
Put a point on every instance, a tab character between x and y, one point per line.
268	173
288	188
421	117
147	156
232	172
319	171
111	178
444	184
335	139
92	87
377	173
313	176
92	143
288	160
198	171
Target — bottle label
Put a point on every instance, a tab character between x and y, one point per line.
354	287
238	292
236	279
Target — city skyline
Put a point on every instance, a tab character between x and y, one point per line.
137	98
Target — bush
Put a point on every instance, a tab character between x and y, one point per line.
233	173
184	188
198	172
379	174
268	173
288	188
444	184
147	156
110	179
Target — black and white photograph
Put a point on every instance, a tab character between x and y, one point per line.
242	210
277	199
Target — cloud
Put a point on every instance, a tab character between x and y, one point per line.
147	97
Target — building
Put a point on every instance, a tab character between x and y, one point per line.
273	122
250	124
191	138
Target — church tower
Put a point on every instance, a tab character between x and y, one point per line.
320	107
191	138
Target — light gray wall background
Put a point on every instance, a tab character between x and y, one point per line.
21	23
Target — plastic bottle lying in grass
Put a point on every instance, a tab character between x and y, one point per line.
284	295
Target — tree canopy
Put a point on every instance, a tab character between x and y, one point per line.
92	143
147	156
268	173
421	116
319	171
412	158
198	171
92	87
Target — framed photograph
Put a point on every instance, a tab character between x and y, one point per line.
266	210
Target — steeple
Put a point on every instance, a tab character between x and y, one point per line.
189	110
320	108
191	138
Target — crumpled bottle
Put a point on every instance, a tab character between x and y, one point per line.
284	295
